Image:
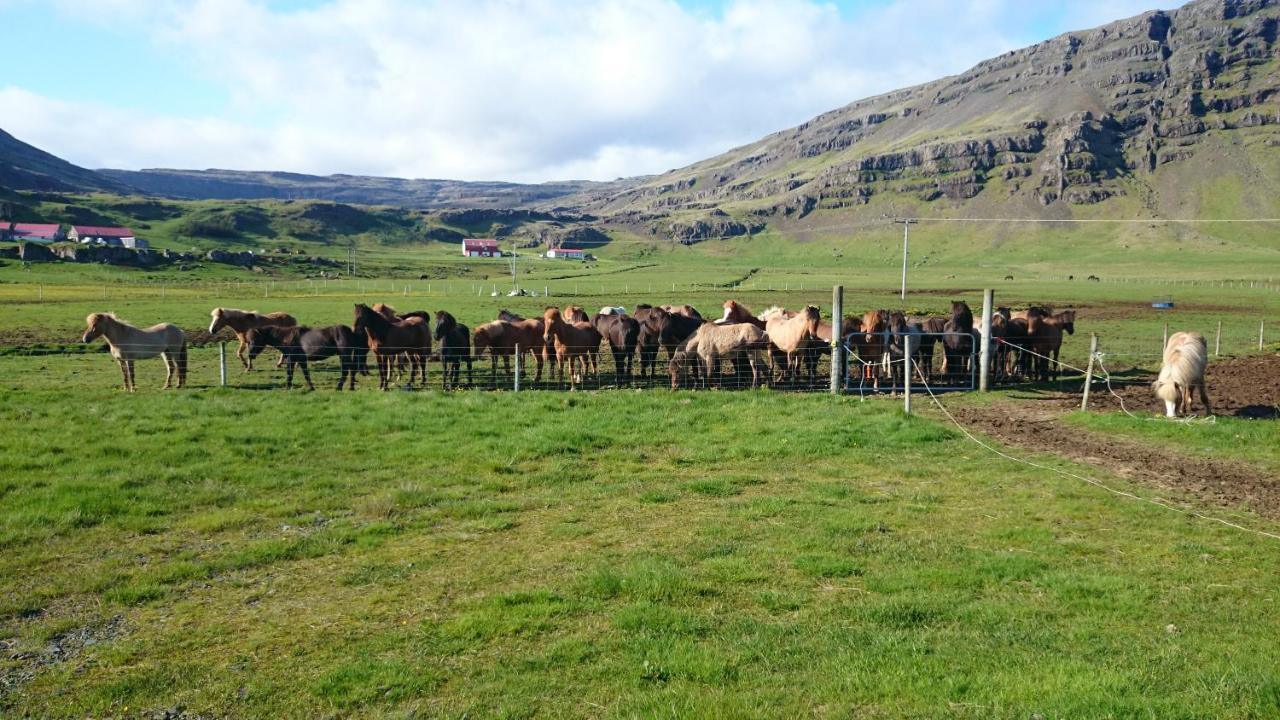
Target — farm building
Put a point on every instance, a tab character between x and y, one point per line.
116	236
135	243
33	232
566	253
473	247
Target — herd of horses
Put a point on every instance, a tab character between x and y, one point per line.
778	347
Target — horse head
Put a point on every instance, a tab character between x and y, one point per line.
218	320
551	322
445	323
94	326
574	313
1067	319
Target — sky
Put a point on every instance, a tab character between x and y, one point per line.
519	90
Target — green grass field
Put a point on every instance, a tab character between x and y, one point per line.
246	552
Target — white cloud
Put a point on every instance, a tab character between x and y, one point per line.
505	89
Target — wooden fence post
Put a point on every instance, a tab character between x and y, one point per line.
1088	373
222	364
837	336
1262	327
519	358
1217	341
1164	340
984	371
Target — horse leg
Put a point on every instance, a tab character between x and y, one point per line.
133	384
306	372
1204	398
242	352
168	370
124	373
288	374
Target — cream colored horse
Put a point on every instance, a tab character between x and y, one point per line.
129	343
791	334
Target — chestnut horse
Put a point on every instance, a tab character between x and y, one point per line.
129	343
241	322
576	343
389	338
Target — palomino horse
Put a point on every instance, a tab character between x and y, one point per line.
741	343
454	339
389	338
129	343
576	343
791	336
301	345
241	322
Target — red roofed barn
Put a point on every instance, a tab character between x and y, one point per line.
472	247
119	236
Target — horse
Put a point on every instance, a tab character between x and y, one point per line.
791	335
527	333
661	328
1044	338
623	334
684	361
575	313
241	322
390	313
301	345
899	333
389	338
957	343
1182	371
688	311
742	343
575	343
129	343
736	312
872	343
931	330
454	341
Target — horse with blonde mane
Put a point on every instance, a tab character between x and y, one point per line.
129	343
575	343
241	322
1185	357
741	343
791	335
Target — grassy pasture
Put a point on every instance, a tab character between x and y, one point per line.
258	555
617	554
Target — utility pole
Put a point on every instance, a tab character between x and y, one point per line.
906	236
351	259
515	286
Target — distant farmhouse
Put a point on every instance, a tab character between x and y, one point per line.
565	253
476	247
114	236
32	232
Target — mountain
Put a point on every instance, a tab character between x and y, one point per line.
1165	114
421	194
23	167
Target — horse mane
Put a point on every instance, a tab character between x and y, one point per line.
771	312
643	306
232	312
91	318
509	316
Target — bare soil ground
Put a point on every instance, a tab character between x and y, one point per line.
1247	387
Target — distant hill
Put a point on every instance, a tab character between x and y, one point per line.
24	167
1167	114
421	194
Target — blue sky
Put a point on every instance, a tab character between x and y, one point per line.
527	90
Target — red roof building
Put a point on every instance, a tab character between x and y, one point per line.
36	232
96	234
478	247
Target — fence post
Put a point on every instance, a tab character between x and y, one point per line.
222	364
984	370
1262	327
1088	373
837	336
1164	340
906	375
519	359
1217	341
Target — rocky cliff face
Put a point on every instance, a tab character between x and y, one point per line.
1076	120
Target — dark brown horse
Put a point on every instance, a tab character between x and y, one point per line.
957	344
660	328
301	345
389	338
623	334
454	341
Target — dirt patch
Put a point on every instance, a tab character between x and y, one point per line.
1247	387
1243	387
59	649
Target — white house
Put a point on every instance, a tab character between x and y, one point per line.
566	254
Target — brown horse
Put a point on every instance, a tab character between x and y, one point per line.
529	332
389	338
241	322
872	344
575	313
129	343
623	334
1044	338
736	312
577	344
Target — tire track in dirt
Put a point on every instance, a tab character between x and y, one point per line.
1220	482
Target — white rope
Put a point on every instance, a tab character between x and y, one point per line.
1091	481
